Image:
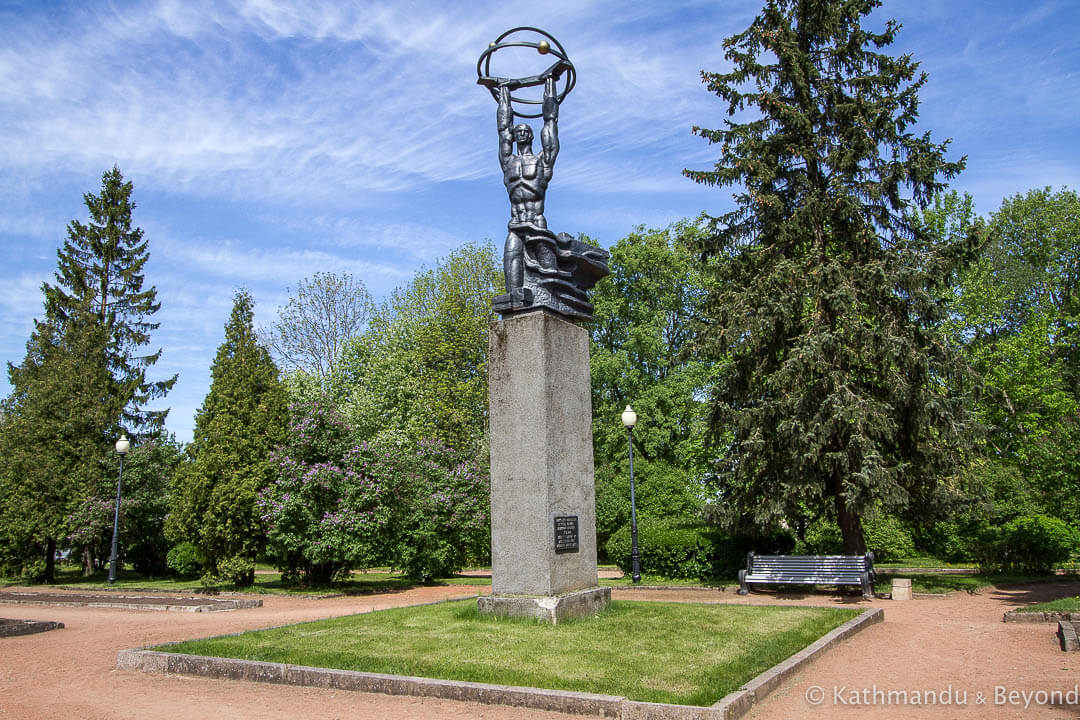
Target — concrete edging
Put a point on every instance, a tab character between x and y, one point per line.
738	703
608	706
1067	634
13	628
211	606
1017	616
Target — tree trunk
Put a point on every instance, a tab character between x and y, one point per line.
851	528
50	561
87	563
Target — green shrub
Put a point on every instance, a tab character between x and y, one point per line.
238	571
675	549
885	536
664	492
888	539
669	550
1029	544
822	537
184	560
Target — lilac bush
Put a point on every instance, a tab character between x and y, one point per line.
326	512
338	504
442	522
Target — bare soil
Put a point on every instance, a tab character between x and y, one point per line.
953	645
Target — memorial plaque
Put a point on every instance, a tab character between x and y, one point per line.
566	534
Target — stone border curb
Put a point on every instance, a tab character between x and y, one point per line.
1017	616
1067	634
210	606
11	628
730	707
738	703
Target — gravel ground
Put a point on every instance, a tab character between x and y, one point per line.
958	644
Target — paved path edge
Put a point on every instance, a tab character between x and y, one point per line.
738	703
215	606
730	707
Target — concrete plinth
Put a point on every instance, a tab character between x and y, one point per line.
543	513
553	609
901	589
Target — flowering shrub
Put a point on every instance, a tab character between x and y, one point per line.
441	517
326	512
338	505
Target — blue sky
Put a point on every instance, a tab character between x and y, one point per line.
269	140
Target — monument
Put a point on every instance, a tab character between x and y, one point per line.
543	513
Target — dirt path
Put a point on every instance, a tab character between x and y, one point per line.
957	643
923	645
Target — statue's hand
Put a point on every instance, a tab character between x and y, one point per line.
559	68
499	82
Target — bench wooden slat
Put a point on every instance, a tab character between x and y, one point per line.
809	570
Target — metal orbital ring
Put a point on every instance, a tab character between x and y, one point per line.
483	66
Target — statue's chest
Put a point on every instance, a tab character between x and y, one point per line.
525	167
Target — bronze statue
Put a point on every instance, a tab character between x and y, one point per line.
541	269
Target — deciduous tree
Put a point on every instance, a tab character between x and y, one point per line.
420	370
1016	313
321	317
644	353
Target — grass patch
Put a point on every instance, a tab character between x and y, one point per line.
945	583
1065	604
936	584
688	654
922	562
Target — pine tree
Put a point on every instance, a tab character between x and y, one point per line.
99	275
241	421
826	303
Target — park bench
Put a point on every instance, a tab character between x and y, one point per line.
809	570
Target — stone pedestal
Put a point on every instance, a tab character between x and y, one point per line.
901	589
543	512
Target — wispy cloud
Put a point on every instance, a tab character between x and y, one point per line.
271	139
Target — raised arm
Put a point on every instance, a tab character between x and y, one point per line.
504	117
549	135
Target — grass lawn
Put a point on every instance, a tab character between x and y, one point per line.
935	584
922	562
940	584
1066	604
688	654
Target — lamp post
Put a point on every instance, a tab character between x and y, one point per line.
629	419
122	447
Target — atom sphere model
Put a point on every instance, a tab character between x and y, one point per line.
546	45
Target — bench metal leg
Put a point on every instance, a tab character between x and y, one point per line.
867	588
744	589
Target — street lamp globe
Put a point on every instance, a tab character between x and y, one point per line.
123	445
629	418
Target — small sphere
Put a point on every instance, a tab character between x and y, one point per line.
543	47
491	44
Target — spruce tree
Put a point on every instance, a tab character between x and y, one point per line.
826	303
241	421
80	383
100	275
